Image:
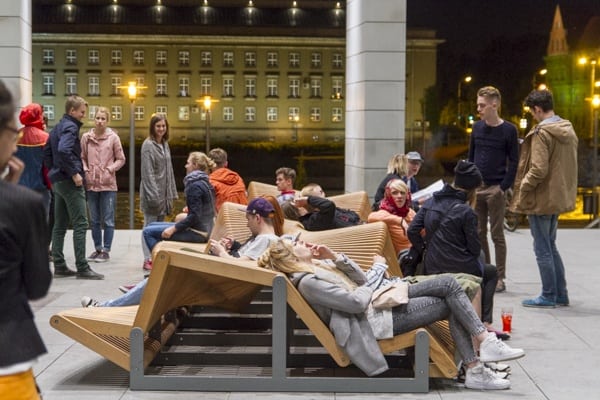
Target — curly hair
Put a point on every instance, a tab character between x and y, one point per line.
202	161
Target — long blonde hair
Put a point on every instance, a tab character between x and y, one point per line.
280	257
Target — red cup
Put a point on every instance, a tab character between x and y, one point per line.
507	314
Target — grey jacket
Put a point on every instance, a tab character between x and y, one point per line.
345	313
157	186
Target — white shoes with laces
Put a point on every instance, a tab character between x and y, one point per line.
493	349
481	377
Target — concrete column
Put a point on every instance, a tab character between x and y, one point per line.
15	48
375	89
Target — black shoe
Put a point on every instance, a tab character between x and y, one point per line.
89	274
63	272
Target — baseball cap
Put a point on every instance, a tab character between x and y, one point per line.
414	156
259	206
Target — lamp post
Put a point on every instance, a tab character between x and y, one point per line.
294	120
466	79
541	86
595	105
132	91
207	102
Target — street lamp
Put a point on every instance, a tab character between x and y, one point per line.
132	91
466	79
207	102
595	105
541	86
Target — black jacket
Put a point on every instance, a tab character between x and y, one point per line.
24	272
62	153
328	216
454	245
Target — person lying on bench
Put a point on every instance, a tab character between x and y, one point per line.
265	221
337	289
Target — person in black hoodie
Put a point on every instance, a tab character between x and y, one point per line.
317	213
450	234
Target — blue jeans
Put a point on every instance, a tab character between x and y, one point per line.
69	206
436	299
152	234
148	219
102	212
552	270
131	298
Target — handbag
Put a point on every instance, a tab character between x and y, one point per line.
391	295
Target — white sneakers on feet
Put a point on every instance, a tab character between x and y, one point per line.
483	378
87	301
493	349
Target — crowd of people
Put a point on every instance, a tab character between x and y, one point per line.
63	178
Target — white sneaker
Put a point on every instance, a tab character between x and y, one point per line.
483	378
87	301
493	349
498	367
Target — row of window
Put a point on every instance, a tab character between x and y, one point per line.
183	113
183	58
294	85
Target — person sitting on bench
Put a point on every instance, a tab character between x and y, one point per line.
265	221
341	293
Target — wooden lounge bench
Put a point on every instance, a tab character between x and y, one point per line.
355	201
127	336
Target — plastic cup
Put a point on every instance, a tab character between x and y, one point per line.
507	314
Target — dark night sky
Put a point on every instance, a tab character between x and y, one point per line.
500	42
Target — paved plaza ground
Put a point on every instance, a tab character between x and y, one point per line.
563	350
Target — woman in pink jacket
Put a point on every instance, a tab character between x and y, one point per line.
102	156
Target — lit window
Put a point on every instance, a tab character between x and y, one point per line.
184	86
336	114
183	113
48	56
337	84
94	85
140	81
49	112
48	84
293	113
271	114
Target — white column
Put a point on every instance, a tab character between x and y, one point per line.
375	89
15	48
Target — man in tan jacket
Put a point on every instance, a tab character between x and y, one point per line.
545	186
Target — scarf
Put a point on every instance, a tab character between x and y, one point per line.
388	204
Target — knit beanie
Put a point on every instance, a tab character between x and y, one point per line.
467	175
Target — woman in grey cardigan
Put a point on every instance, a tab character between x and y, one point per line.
341	293
157	186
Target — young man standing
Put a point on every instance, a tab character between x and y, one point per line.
494	149
284	180
546	185
62	156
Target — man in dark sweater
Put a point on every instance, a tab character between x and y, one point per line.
494	149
